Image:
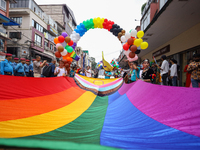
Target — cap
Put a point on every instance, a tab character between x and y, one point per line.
16	58
9	55
22	59
33	59
27	60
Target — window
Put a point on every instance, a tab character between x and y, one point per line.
38	40
55	49
20	4
51	47
16	35
34	9
3	4
45	44
37	26
17	19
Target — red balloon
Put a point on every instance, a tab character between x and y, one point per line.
126	47
130	41
71	43
131	55
61	39
57	54
133	48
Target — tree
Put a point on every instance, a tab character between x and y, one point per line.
143	6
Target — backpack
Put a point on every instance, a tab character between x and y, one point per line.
46	71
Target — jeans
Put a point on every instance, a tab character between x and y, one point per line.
195	83
174	81
164	78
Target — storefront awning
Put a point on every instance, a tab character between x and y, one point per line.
45	55
7	21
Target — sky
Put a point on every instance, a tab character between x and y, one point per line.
95	41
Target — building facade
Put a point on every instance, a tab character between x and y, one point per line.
63	15
36	33
5	21
171	28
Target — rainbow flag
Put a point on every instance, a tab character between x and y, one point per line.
93	114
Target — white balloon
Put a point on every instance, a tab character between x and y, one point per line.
133	33
73	32
63	53
127	52
123	38
127	35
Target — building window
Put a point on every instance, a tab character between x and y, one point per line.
3	4
45	44
55	49
34	9
16	35
38	40
51	47
37	26
17	19
20	4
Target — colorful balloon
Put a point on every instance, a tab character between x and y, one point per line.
64	34
144	45
57	54
67	39
69	49
125	47
61	39
123	38
56	41
137	42
71	43
133	48
140	34
130	41
69	59
57	45
63	53
127	35
131	55
60	48
133	33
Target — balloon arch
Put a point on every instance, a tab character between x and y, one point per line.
131	40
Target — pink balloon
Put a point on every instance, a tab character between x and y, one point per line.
127	52
133	59
57	45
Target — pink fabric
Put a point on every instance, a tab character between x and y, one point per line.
125	87
177	107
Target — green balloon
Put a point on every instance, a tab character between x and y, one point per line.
66	46
114	65
69	49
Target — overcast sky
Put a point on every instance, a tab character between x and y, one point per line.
121	12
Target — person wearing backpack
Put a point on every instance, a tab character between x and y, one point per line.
60	70
37	67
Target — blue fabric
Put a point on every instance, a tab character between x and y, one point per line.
31	67
20	68
26	68
127	127
6	66
195	83
108	73
133	75
14	65
113	97
138	72
8	21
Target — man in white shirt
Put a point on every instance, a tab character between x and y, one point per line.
164	69
88	72
173	72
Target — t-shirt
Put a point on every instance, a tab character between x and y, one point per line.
147	74
108	73
88	74
72	73
173	70
138	72
36	67
164	67
62	71
133	75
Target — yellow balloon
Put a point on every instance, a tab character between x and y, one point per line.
95	20
140	34
144	45
137	42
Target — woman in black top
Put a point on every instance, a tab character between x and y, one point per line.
147	71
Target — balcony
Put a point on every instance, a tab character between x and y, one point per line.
19	11
52	30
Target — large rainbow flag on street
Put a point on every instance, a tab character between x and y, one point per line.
96	114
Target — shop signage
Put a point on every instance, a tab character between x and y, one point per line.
162	51
46	35
24	52
53	30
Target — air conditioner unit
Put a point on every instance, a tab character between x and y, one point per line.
14	40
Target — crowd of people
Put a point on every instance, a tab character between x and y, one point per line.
166	73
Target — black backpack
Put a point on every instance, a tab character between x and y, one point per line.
47	71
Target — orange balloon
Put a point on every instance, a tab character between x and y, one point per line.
69	59
56	41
